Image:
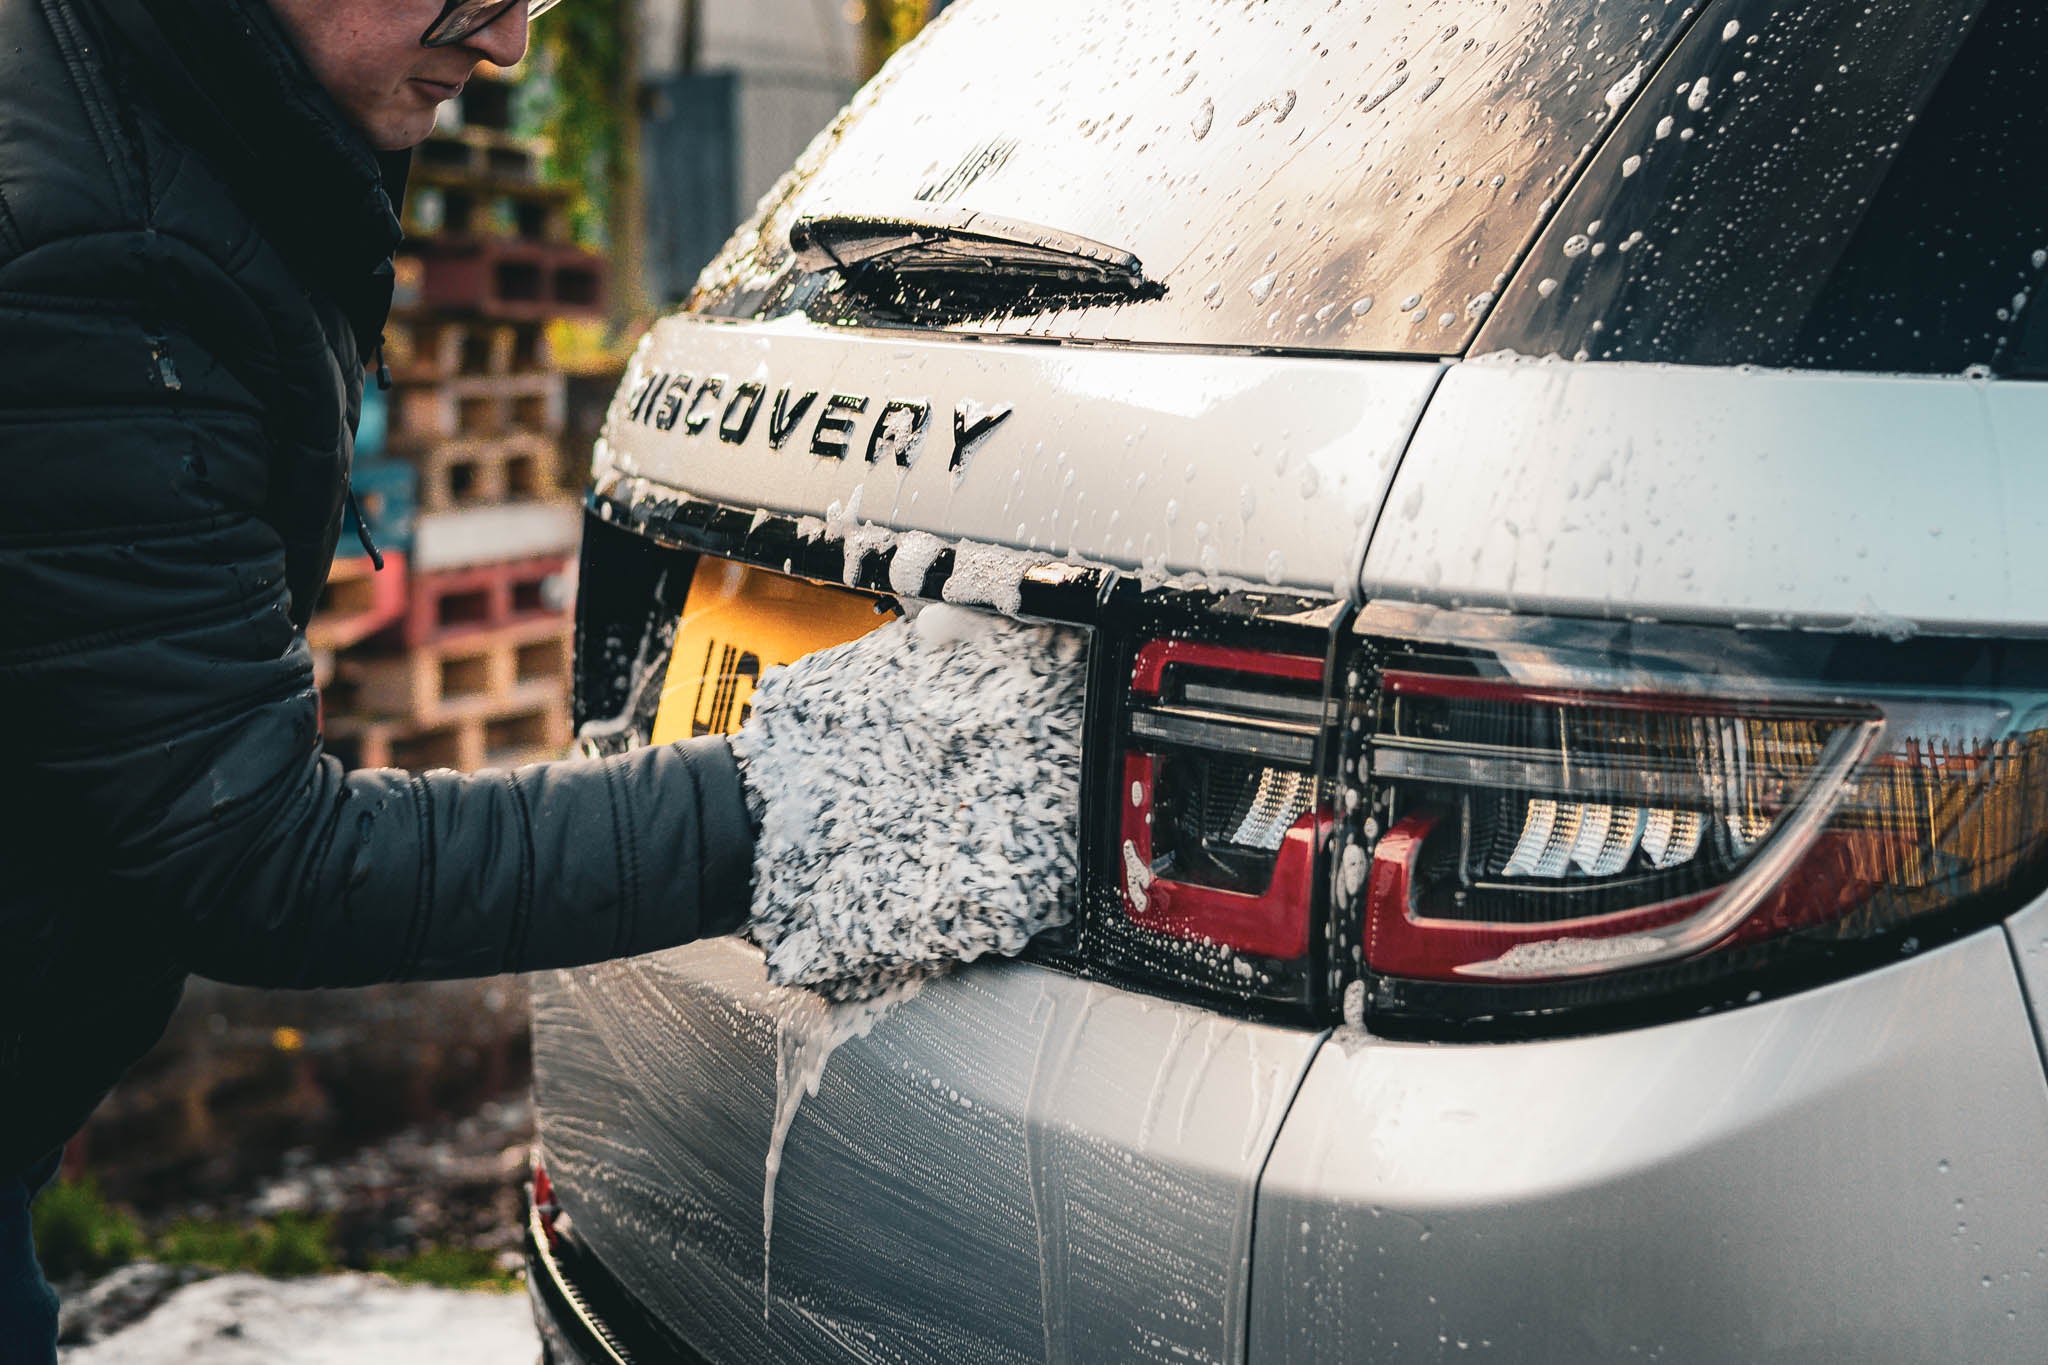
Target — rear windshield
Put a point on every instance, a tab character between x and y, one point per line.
1357	176
1840	184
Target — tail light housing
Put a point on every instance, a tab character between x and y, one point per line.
1221	820
1550	815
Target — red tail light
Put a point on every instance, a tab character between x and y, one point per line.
1220	819
546	1212
1550	808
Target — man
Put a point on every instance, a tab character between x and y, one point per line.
196	225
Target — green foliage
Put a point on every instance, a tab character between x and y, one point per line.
450	1268
593	80
78	1233
290	1244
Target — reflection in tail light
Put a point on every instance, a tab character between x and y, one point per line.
1557	818
1220	822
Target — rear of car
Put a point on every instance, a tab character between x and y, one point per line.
1554	494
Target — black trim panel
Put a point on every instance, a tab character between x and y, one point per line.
585	1317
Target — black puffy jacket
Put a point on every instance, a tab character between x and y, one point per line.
194	262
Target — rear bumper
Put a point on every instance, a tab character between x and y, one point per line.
1018	1166
1012	1166
584	1317
1857	1172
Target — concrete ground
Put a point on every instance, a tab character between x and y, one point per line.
346	1319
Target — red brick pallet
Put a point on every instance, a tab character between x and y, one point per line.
358	601
513	280
472	472
454	602
428	350
492	405
460	675
529	727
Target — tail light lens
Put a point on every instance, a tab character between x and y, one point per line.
1558	812
1221	822
546	1212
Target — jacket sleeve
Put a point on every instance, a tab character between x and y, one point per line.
160	706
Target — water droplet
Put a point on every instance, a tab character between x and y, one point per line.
1261	288
1576	244
1360	307
1546	287
1730	29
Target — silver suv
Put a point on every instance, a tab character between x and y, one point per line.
1557	496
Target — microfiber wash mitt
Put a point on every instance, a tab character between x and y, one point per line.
917	792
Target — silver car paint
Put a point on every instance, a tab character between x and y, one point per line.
1013	1165
1879	502
1265	470
2028	932
1857	1173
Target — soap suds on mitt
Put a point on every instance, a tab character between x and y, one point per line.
918	792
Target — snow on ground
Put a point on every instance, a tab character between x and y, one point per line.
349	1319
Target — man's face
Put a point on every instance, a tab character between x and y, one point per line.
367	54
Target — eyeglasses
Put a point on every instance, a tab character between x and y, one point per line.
460	18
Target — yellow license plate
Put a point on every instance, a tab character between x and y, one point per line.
738	622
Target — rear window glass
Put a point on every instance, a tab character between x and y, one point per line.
1840	184
1358	176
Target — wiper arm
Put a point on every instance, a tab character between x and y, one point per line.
930	242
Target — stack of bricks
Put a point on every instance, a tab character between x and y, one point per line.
457	654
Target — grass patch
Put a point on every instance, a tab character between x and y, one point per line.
450	1268
78	1232
290	1244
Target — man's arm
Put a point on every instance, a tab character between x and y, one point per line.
160	703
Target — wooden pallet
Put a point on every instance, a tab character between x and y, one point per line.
525	728
514	280
358	601
456	602
485	102
479	153
527	213
473	472
460	675
424	350
488	406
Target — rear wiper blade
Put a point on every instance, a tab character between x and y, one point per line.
930	242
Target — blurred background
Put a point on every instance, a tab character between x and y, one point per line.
558	208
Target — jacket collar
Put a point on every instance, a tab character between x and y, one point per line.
230	82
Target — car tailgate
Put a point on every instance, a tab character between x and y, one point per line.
1013	1164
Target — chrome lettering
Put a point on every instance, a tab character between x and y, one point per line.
672	396
834	432
783	421
972	425
901	436
740	413
696	419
